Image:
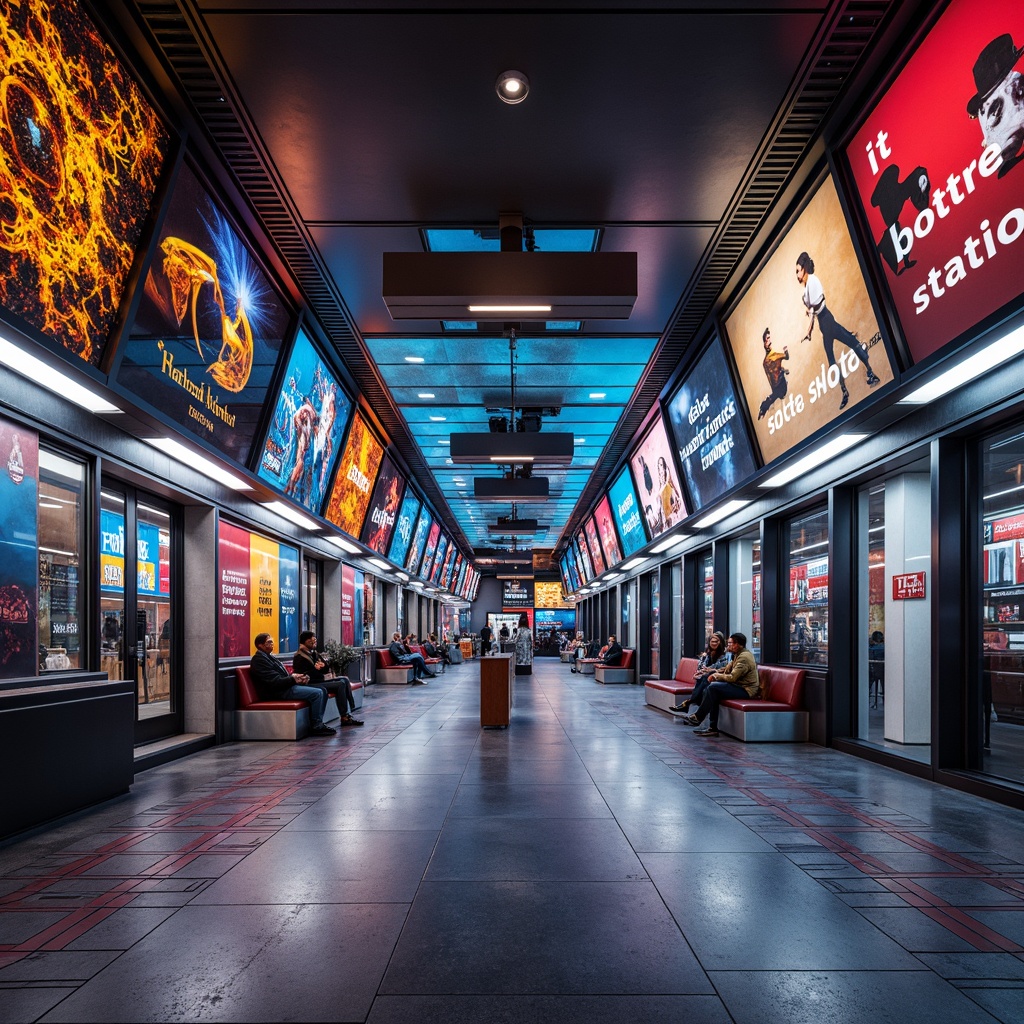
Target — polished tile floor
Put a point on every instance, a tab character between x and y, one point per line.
595	862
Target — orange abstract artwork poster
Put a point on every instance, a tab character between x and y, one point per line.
80	156
353	485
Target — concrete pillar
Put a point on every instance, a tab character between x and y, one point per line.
199	602
908	676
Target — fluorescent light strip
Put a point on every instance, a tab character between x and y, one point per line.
611	576
633	563
345	545
665	545
813	459
509	309
721	513
969	369
380	563
292	515
200	463
17	359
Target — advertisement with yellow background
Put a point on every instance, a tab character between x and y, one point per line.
549	595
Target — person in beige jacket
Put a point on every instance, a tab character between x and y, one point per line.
737	680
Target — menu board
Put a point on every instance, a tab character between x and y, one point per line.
657	484
936	168
19	539
82	154
384	505
419	541
305	433
804	337
707	425
258	592
516	594
622	498
209	327
405	525
353	484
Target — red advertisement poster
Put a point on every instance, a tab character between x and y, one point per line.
936	172
233	569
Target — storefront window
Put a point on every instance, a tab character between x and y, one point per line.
311	573
1001	695
655	583
707	566
808	588
745	590
61	482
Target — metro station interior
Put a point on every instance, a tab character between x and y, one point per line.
606	320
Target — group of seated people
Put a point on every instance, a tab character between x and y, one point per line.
725	670
308	681
401	650
610	654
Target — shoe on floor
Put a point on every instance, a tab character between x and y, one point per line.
417	682
322	730
706	732
349	720
691	720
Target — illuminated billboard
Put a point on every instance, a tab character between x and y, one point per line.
804	336
654	473
384	505
625	507
404	528
353	484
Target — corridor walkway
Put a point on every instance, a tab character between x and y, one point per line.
595	862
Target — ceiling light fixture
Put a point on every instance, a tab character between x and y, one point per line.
292	515
721	513
200	463
345	545
414	359
813	460
512	87
509	309
426	394
665	545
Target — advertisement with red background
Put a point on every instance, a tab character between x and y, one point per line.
596	557
348	606
950	253
606	529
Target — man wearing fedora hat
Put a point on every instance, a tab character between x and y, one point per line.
998	104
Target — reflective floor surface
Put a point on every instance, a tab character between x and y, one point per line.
595	862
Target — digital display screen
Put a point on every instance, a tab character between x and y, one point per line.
586	565
594	545
606	531
305	433
433	537
405	526
418	542
707	424
939	176
654	473
384	505
804	336
439	557
82	155
625	507
357	473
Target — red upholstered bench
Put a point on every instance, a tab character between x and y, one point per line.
667	693
779	717
431	663
624	672
391	672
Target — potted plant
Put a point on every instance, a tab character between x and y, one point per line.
339	656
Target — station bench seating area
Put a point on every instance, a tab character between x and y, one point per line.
257	719
390	672
777	717
431	663
624	672
667	693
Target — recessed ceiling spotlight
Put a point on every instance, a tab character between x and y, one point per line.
512	86
425	394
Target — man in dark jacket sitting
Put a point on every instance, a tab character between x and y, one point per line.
613	652
404	657
274	682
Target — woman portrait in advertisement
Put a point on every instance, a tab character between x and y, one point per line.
671	501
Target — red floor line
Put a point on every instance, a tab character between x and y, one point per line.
77	930
978	935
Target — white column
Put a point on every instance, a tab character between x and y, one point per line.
908	676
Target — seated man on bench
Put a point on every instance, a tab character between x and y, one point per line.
308	660
403	656
737	680
612	652
274	682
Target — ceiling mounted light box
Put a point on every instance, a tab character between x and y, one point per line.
509	285
550	449
534	488
512	527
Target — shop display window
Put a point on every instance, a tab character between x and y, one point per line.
807	545
61	482
1001	694
707	585
745	590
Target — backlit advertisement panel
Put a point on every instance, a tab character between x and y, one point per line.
80	156
208	330
625	507
594	545
935	166
404	527
384	505
606	531
439	557
353	485
305	434
419	541
586	565
431	549
706	422
804	337
654	473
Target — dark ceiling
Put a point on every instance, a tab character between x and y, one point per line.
675	130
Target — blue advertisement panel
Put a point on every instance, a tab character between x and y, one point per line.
19	557
439	557
304	439
404	527
549	621
626	509
419	541
288	582
709	431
